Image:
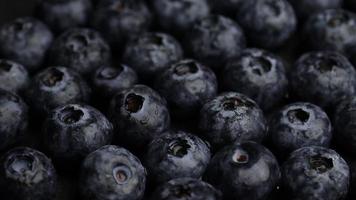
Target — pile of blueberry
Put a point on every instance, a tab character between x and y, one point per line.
179	100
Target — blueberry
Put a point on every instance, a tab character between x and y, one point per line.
299	125
25	40
61	15
244	171
315	173
27	174
13	118
178	16
56	86
112	173
109	80
267	23
332	30
73	131
83	50
259	74
150	53
226	7
120	20
138	114
305	8
232	117
215	39
323	78
187	85
177	154
13	76
186	188
344	125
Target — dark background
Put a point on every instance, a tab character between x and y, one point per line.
10	9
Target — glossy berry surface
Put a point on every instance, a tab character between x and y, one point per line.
215	39
112	173
109	80
27	174
299	125
244	171
267	23
81	49
25	40
156	51
232	117
138	114
305	8
315	173
13	118
176	154
187	188
179	16
259	74
120	20
187	85
323	78
73	131
56	86
14	77
61	15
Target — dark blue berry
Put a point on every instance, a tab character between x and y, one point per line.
259	74
26	41
112	173
315	173
187	85
176	154
13	76
27	174
246	171
306	8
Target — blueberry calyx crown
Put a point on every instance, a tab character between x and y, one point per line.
52	77
321	164
338	19
298	116
273	6
134	103
186	68
240	157
260	65
20	164
121	174
233	103
110	72
79	41
20	25
179	148
182	191
5	66
326	64
71	115
156	39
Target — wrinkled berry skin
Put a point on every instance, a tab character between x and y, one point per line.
120	20
179	16
259	74
138	114
305	8
83	50
187	85
227	7
27	174
14	77
177	154
73	131
151	53
299	125
246	171
344	125
112	173
13	118
267	23
232	117
61	15
315	173
331	30
187	188
323	78
215	39
26	41
109	80
56	86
